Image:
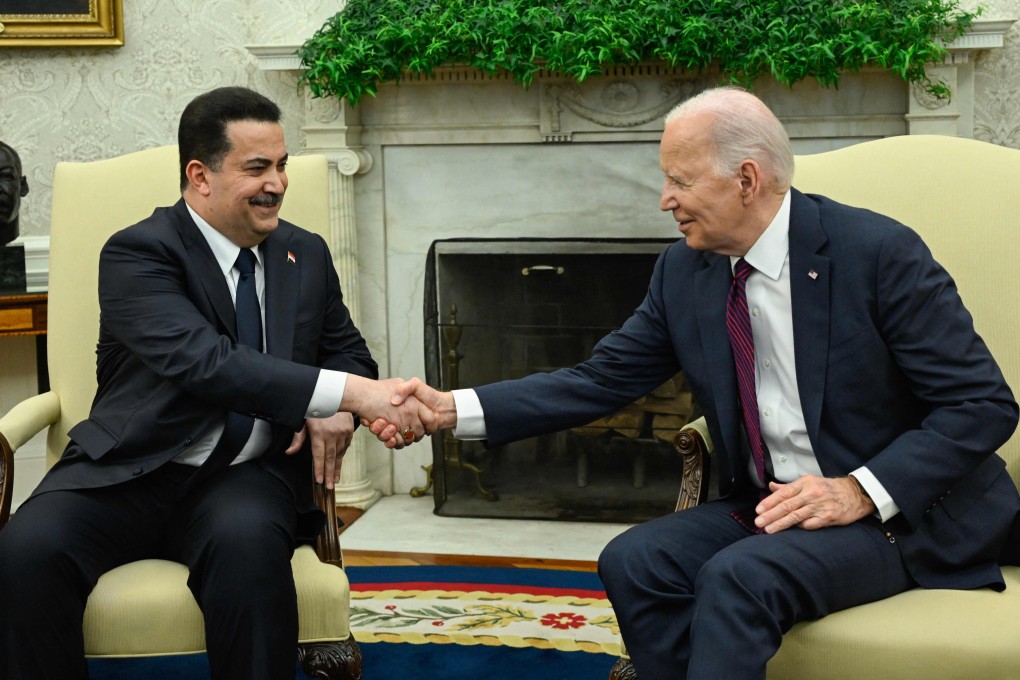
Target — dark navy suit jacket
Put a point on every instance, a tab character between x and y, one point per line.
169	367
890	371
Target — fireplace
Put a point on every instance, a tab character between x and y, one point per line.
498	309
459	154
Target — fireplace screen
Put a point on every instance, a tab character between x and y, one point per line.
503	309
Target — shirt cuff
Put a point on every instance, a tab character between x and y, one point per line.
470	416
327	395
885	507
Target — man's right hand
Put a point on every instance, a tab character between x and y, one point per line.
377	401
441	405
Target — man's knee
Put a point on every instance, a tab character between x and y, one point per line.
29	552
631	557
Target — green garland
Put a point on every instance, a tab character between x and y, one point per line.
375	41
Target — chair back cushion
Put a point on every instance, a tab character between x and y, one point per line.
91	201
954	193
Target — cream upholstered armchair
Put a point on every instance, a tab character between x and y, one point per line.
145	608
955	193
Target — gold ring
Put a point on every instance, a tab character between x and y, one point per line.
408	434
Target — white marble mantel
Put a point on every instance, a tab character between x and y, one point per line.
463	154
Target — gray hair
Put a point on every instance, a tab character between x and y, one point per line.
742	128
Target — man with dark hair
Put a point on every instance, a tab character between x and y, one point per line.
13	188
228	370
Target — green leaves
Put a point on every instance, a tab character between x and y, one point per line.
375	41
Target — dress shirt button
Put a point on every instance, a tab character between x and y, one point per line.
315	414
767	412
136	472
768	364
755	312
782	459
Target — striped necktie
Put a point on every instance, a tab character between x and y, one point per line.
738	324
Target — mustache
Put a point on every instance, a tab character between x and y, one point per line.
266	200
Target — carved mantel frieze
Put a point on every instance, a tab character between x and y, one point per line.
621	100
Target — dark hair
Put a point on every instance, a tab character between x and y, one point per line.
202	133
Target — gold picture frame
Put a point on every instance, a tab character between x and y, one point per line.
61	23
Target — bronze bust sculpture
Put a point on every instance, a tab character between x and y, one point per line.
13	187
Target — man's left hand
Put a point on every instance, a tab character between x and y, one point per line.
812	503
330	438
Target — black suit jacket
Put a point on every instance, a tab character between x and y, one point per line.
169	368
890	371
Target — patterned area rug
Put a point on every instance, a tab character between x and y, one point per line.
473	623
547	609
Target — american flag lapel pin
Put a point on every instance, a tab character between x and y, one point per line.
813	274
290	258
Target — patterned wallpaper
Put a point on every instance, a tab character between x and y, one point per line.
84	104
997	82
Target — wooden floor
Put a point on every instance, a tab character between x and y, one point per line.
371	558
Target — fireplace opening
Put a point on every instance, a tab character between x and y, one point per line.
498	309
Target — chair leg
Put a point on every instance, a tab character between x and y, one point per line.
623	670
339	660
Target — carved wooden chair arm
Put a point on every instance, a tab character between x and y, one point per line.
694	444
327	545
21	423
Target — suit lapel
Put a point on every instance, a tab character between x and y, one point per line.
281	260
712	285
206	268
809	296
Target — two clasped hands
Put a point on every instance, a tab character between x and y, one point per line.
400	412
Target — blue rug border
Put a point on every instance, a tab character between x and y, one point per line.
516	576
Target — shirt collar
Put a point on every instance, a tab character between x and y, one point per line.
224	250
768	254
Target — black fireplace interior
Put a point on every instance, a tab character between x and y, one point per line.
503	309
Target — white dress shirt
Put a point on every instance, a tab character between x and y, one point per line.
779	408
329	387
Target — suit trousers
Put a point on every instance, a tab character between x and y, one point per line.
700	597
235	532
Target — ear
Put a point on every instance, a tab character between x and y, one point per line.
24	187
750	178
198	177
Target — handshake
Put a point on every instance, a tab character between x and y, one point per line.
399	412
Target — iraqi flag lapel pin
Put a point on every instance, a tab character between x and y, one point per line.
290	258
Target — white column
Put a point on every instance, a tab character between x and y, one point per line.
354	489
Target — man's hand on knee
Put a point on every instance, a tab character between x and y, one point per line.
812	503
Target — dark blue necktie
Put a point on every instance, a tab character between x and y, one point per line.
238	426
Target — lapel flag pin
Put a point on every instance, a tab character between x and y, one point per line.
290	258
813	274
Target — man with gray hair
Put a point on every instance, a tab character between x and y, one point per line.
844	387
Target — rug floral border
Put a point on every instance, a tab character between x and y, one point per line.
565	623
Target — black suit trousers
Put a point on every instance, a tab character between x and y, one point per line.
700	597
235	532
